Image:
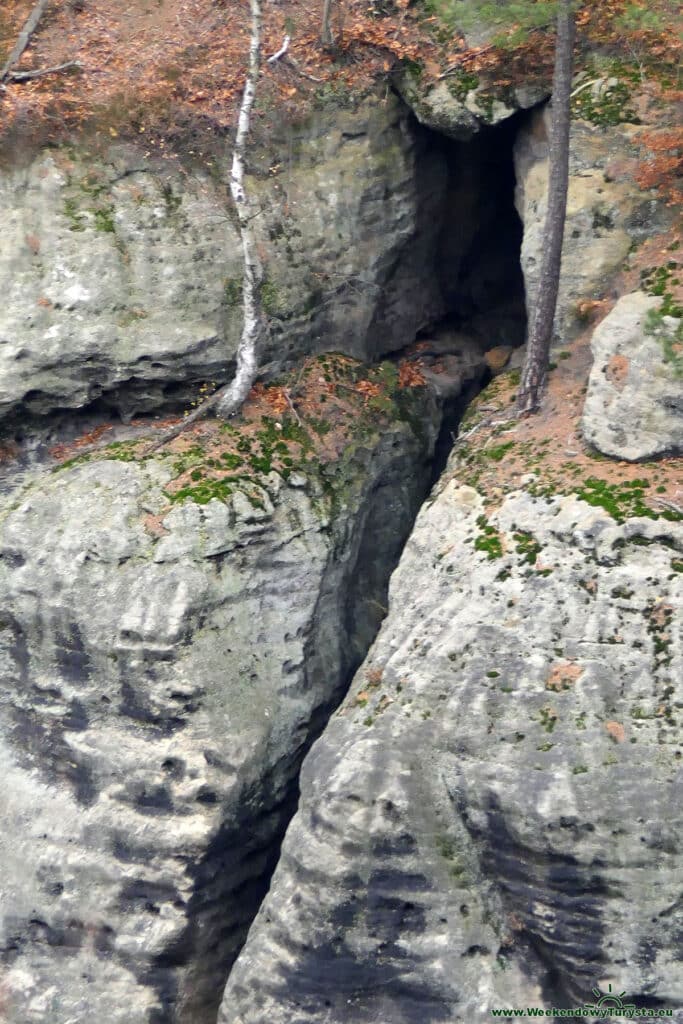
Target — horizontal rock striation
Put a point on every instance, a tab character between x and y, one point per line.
121	275
493	818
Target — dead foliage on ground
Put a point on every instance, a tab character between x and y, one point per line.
546	453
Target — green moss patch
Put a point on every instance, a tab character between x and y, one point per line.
527	547
322	422
489	539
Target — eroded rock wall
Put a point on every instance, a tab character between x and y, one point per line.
121	274
606	214
164	669
493	817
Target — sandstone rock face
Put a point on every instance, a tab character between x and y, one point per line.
113	280
493	818
634	404
603	215
459	109
164	669
121	278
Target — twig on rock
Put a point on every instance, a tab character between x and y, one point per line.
290	403
671	505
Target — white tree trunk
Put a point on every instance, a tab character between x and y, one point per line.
247	353
227	399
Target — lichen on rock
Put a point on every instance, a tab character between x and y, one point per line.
492	818
634	404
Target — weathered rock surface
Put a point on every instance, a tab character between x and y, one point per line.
493	818
634	405
112	276
121	279
163	671
459	108
604	215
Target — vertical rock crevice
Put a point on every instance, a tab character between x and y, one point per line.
171	710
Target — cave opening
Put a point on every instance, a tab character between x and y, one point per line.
479	303
477	239
477	257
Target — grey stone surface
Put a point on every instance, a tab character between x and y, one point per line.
112	279
634	405
604	216
459	111
493	817
163	671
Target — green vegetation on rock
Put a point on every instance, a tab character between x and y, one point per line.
488	540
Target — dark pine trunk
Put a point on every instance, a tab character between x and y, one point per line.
543	316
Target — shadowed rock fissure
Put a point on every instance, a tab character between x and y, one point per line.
476	261
482	285
233	876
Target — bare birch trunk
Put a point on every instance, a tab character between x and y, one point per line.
541	328
24	37
326	36
227	399
247	365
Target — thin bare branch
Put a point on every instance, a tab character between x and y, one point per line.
25	76
281	52
671	505
192	417
300	71
584	85
290	403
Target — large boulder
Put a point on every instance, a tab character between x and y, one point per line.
165	663
461	104
634	405
493	819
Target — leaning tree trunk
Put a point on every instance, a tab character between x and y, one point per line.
230	397
543	315
24	38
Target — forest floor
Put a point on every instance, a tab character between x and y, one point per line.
171	71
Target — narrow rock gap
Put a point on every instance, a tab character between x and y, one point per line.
477	262
483	308
479	306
